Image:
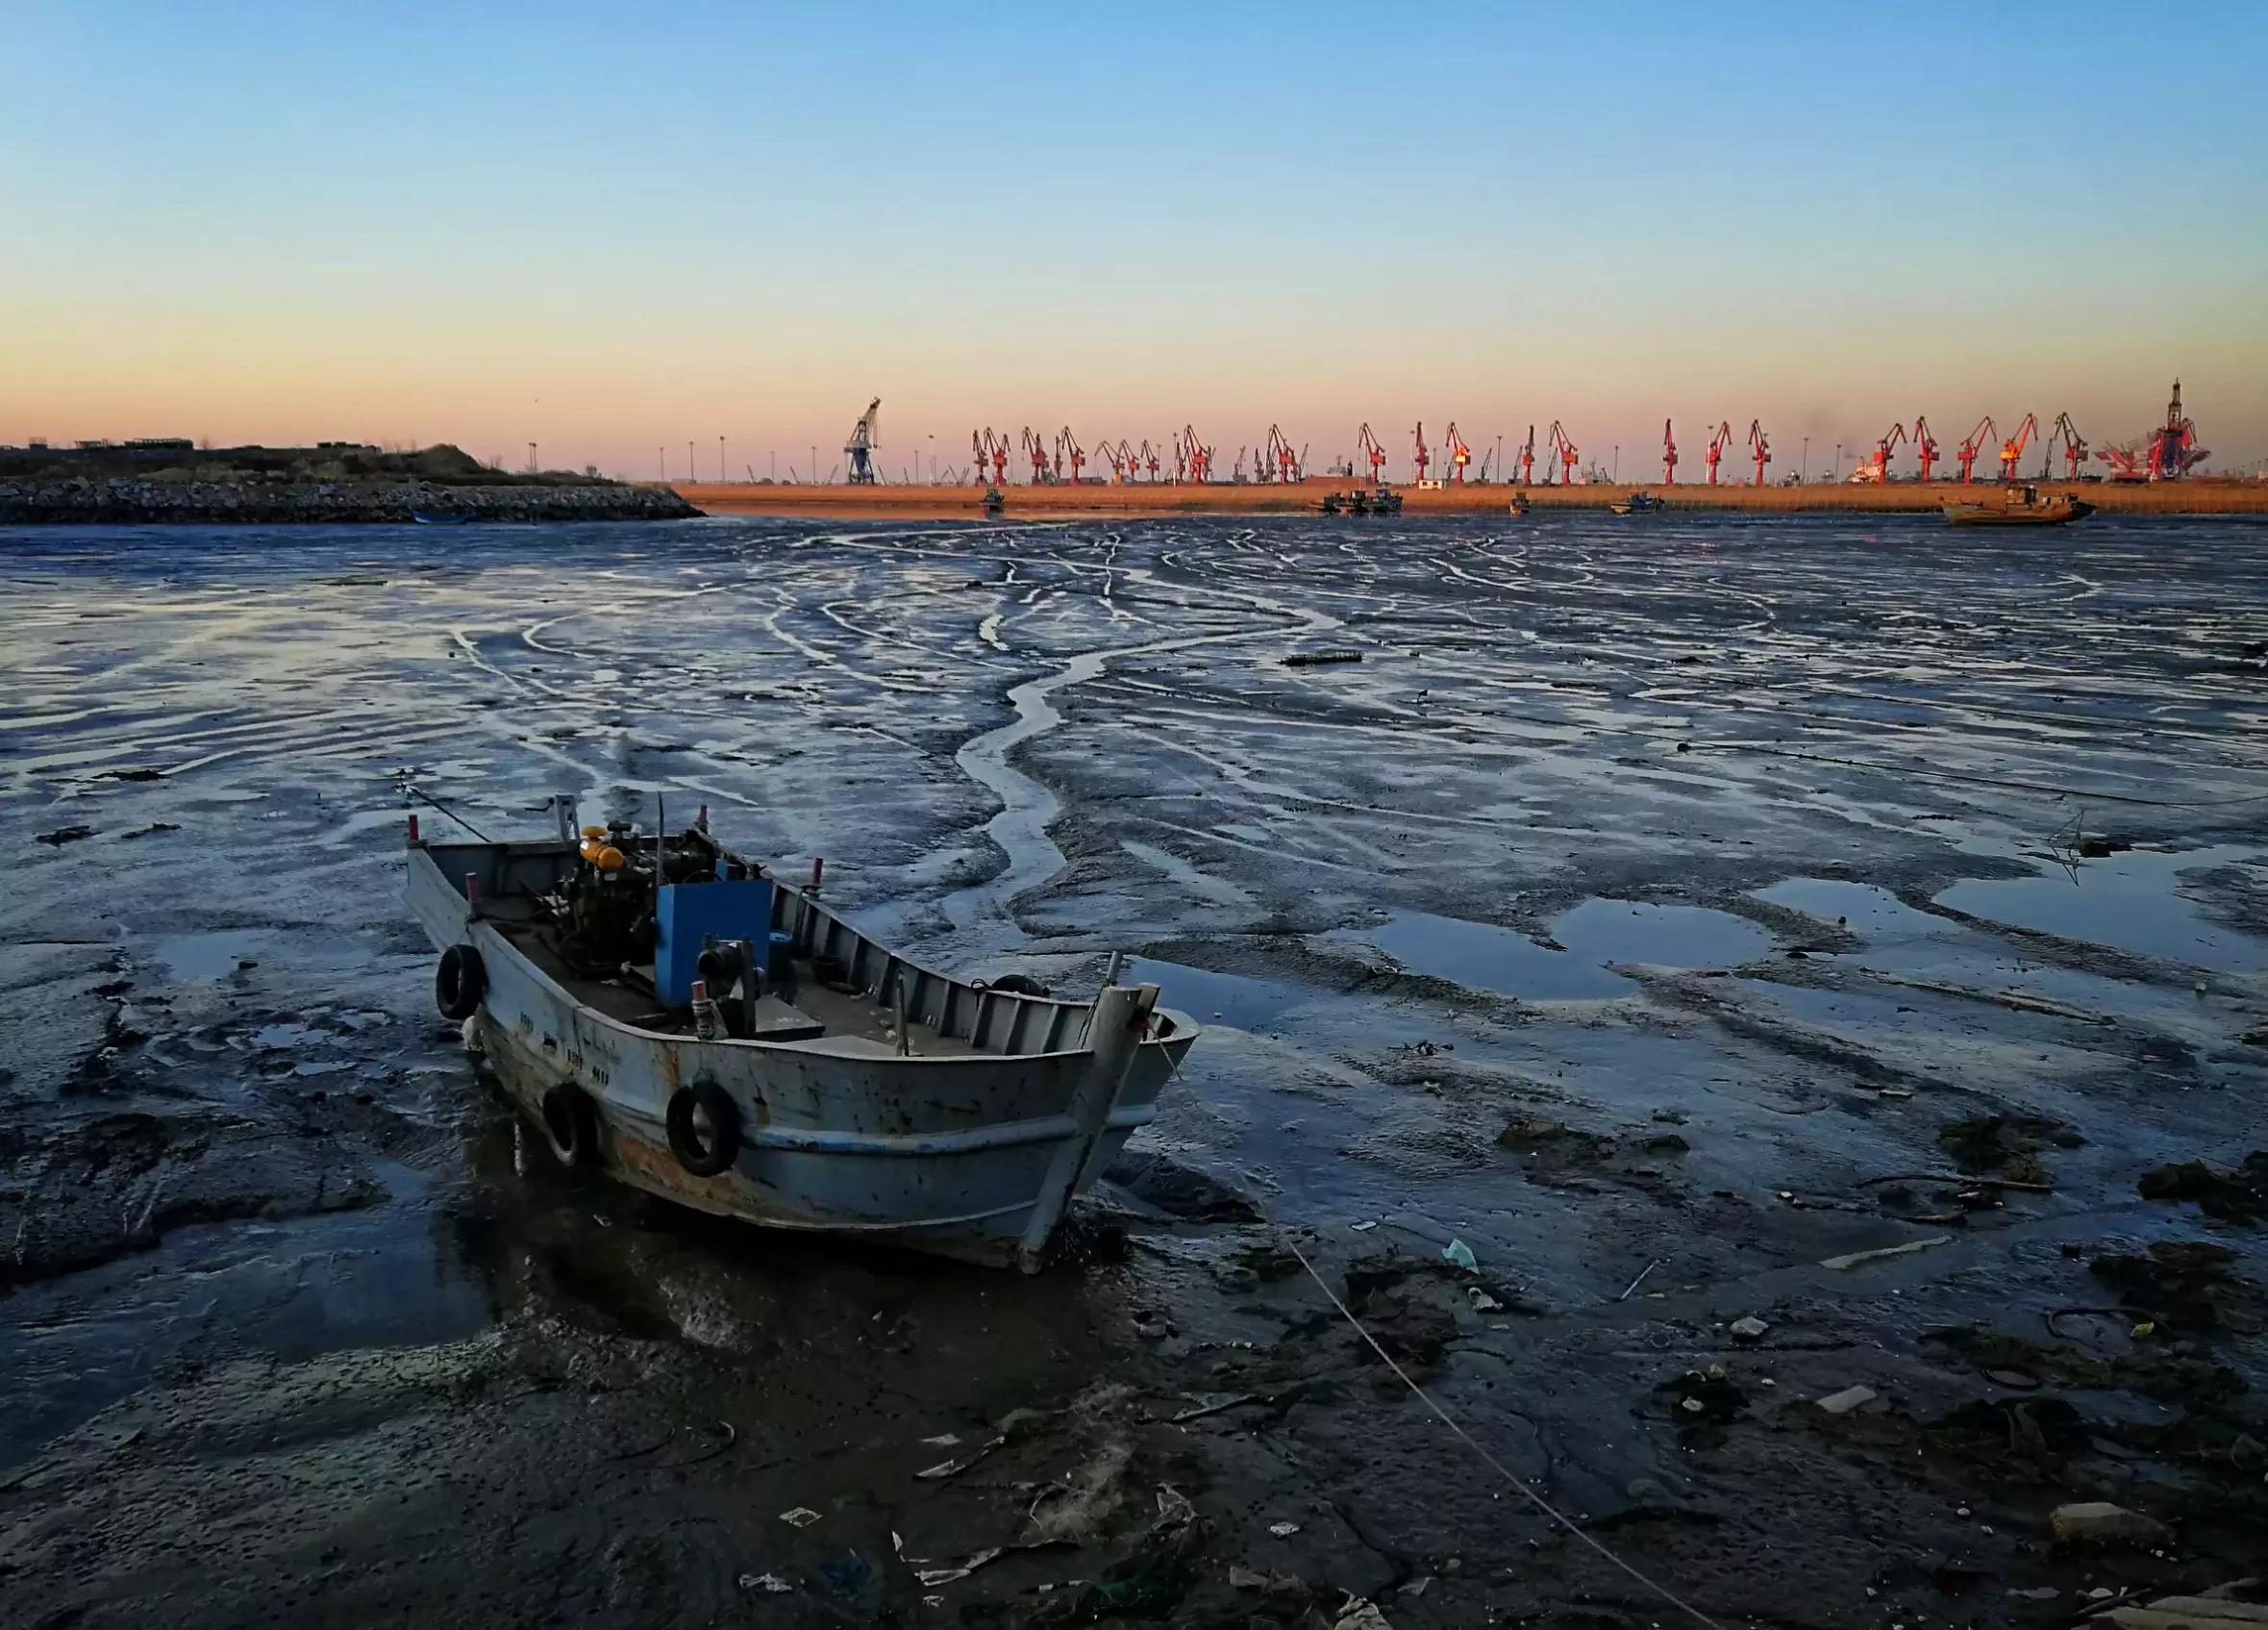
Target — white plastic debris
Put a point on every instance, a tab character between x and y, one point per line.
802	1517
1284	1530
1459	1253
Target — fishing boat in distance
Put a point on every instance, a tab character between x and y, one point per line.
1361	501
1636	504
2018	506
440	517
665	1011
1519	504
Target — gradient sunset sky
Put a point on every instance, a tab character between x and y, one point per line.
614	229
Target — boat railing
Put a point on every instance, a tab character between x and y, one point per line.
989	1020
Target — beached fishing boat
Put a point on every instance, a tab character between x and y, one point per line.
666	1012
1518	506
439	518
2018	506
1636	504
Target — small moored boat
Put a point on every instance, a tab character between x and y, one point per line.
439	518
1636	504
1519	504
665	1011
2018	506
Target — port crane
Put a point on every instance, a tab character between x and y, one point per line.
866	438
1716	448
1424	457
1376	453
1286	462
1558	446
1526	456
1457	453
1148	458
989	449
1035	450
2171	451
1924	445
1196	454
2014	447
1067	447
1878	469
2075	447
1116	456
1978	441
1669	456
1759	448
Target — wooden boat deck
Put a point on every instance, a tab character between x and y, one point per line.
847	1020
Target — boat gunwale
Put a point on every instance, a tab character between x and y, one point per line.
1185	1028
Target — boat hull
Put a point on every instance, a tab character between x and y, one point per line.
973	1155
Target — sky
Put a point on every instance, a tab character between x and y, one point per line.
613	230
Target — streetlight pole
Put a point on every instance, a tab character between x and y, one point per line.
531	458
1837	473
1616	471
1804	479
720	461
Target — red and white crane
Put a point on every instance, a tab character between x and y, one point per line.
1424	457
1878	469
1457	453
1067	447
1669	456
1561	448
1148	458
1036	449
2075	445
1716	448
1195	454
1758	449
2013	449
1376	453
1280	454
1526	456
1978	441
1924	445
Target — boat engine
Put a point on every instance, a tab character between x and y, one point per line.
609	902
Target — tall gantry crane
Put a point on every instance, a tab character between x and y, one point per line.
1759	448
1528	456
980	446
1669	456
1286	462
1716	448
1560	447
2013	449
2075	447
1148	458
866	438
1924	445
1458	455
1036	449
1115	453
1877	469
1978	441
1067	447
991	450
1376	453
1423	455
1198	455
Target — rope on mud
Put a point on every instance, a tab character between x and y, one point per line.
427	797
1528	1493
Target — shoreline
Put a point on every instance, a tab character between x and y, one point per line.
1092	499
135	501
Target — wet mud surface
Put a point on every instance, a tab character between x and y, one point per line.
1678	921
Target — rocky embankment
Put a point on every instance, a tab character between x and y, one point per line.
142	500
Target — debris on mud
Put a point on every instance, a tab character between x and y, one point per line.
2007	1146
2099	1522
1318	659
2239	1196
63	834
2188	1286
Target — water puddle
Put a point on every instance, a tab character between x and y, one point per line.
1484	957
1866	911
1684	937
210	955
1234	999
2129	902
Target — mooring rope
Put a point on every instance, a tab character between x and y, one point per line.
1529	1494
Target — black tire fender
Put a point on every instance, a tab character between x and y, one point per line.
460	983
571	1125
690	1109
